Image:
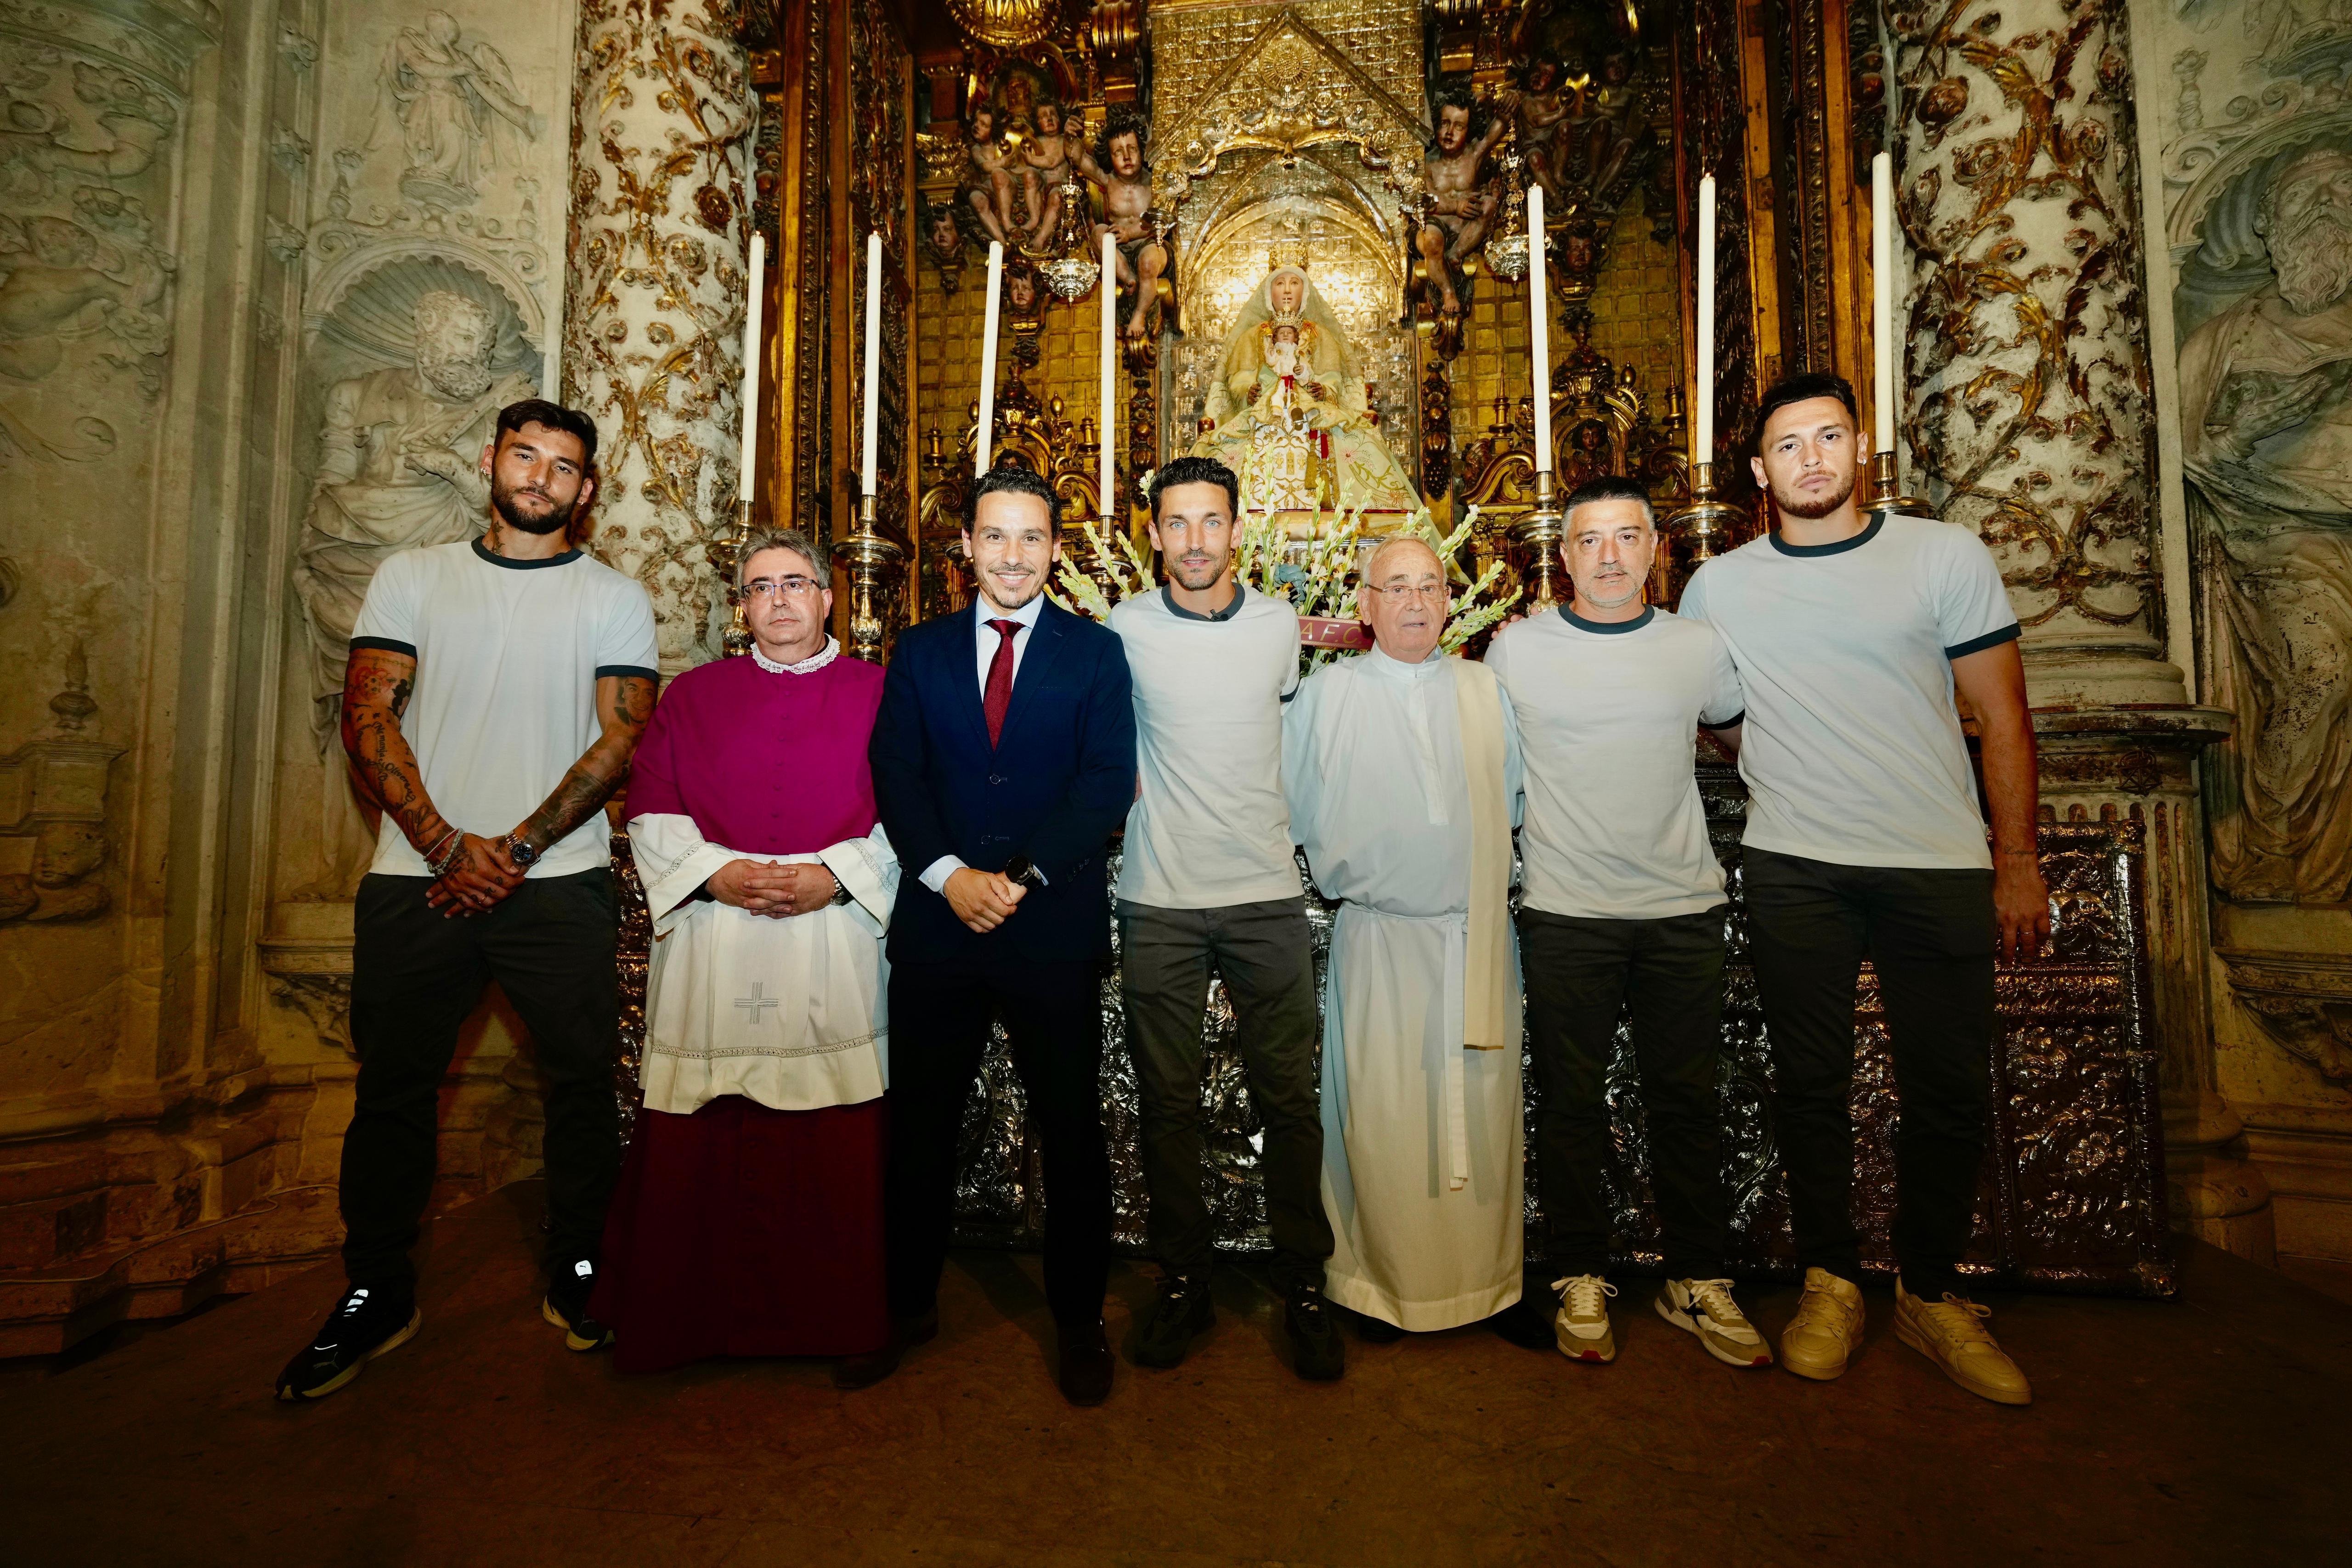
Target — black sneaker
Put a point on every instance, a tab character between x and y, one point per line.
1183	1311
365	1324
566	1307
1377	1331
1523	1324
1314	1349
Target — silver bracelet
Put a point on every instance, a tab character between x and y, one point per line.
438	862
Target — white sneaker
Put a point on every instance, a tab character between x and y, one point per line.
1582	1329
1705	1307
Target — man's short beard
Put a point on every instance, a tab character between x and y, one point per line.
1176	569
502	502
1632	592
993	589
456	379
2315	261
1798	506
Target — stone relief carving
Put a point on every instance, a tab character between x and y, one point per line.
2028	409
2266	432
2303	1004
83	286
53	840
2261	196
451	103
652	344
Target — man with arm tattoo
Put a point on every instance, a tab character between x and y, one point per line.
494	692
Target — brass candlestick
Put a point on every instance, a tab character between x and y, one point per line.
1700	531
1538	533
1886	497
725	552
866	555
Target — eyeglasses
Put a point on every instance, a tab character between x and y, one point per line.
787	588
1400	592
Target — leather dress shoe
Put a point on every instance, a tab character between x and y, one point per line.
865	1370
1085	1363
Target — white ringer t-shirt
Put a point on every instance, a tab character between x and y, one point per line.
1609	715
508	655
1853	750
1212	827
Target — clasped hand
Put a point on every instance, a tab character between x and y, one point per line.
484	873
777	892
983	900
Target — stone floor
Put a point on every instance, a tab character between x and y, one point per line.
2208	1430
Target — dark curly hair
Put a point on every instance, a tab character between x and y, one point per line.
1122	122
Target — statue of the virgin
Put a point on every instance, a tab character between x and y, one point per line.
1288	408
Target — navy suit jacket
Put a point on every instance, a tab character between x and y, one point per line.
1055	788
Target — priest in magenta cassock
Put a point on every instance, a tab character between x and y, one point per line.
747	1220
1402	771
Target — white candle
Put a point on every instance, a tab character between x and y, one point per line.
1703	404
988	363
1539	327
1110	394
1882	316
873	349
752	368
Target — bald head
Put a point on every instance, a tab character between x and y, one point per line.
1403	598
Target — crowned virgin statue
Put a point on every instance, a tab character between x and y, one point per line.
1288	409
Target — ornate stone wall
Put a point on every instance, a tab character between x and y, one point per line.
2249	136
659	227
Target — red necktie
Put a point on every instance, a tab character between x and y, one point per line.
998	693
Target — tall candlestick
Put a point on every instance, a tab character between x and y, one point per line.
1702	405
988	361
1540	329
1881	314
1108	501
751	344
873	350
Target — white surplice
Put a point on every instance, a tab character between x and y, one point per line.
787	1012
1421	1140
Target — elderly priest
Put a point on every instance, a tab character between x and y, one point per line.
1402	770
748	1217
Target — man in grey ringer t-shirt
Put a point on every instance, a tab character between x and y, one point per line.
1208	883
1864	840
1622	902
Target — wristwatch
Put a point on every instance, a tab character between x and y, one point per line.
840	889
1023	870
521	854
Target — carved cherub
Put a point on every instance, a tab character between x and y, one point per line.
1126	180
1053	156
1462	199
986	187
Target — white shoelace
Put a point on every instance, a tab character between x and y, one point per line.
1960	1320
1585	1295
1714	1297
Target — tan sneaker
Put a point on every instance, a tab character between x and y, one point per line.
1582	1329
1951	1333
1705	1307
1827	1329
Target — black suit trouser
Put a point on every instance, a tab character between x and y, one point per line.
940	1014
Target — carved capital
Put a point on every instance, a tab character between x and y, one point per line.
2303	1003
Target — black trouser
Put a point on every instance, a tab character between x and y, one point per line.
939	1033
1581	973
415	974
1267	957
1929	934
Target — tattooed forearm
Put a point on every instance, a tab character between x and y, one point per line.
377	685
623	704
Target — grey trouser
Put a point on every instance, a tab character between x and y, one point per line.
1266	958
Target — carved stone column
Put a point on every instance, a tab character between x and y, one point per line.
2027	416
659	227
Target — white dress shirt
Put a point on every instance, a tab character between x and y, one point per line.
985	642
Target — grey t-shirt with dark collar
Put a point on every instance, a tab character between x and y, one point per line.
1211	828
1853	750
1609	715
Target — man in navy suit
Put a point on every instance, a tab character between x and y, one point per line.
1004	760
